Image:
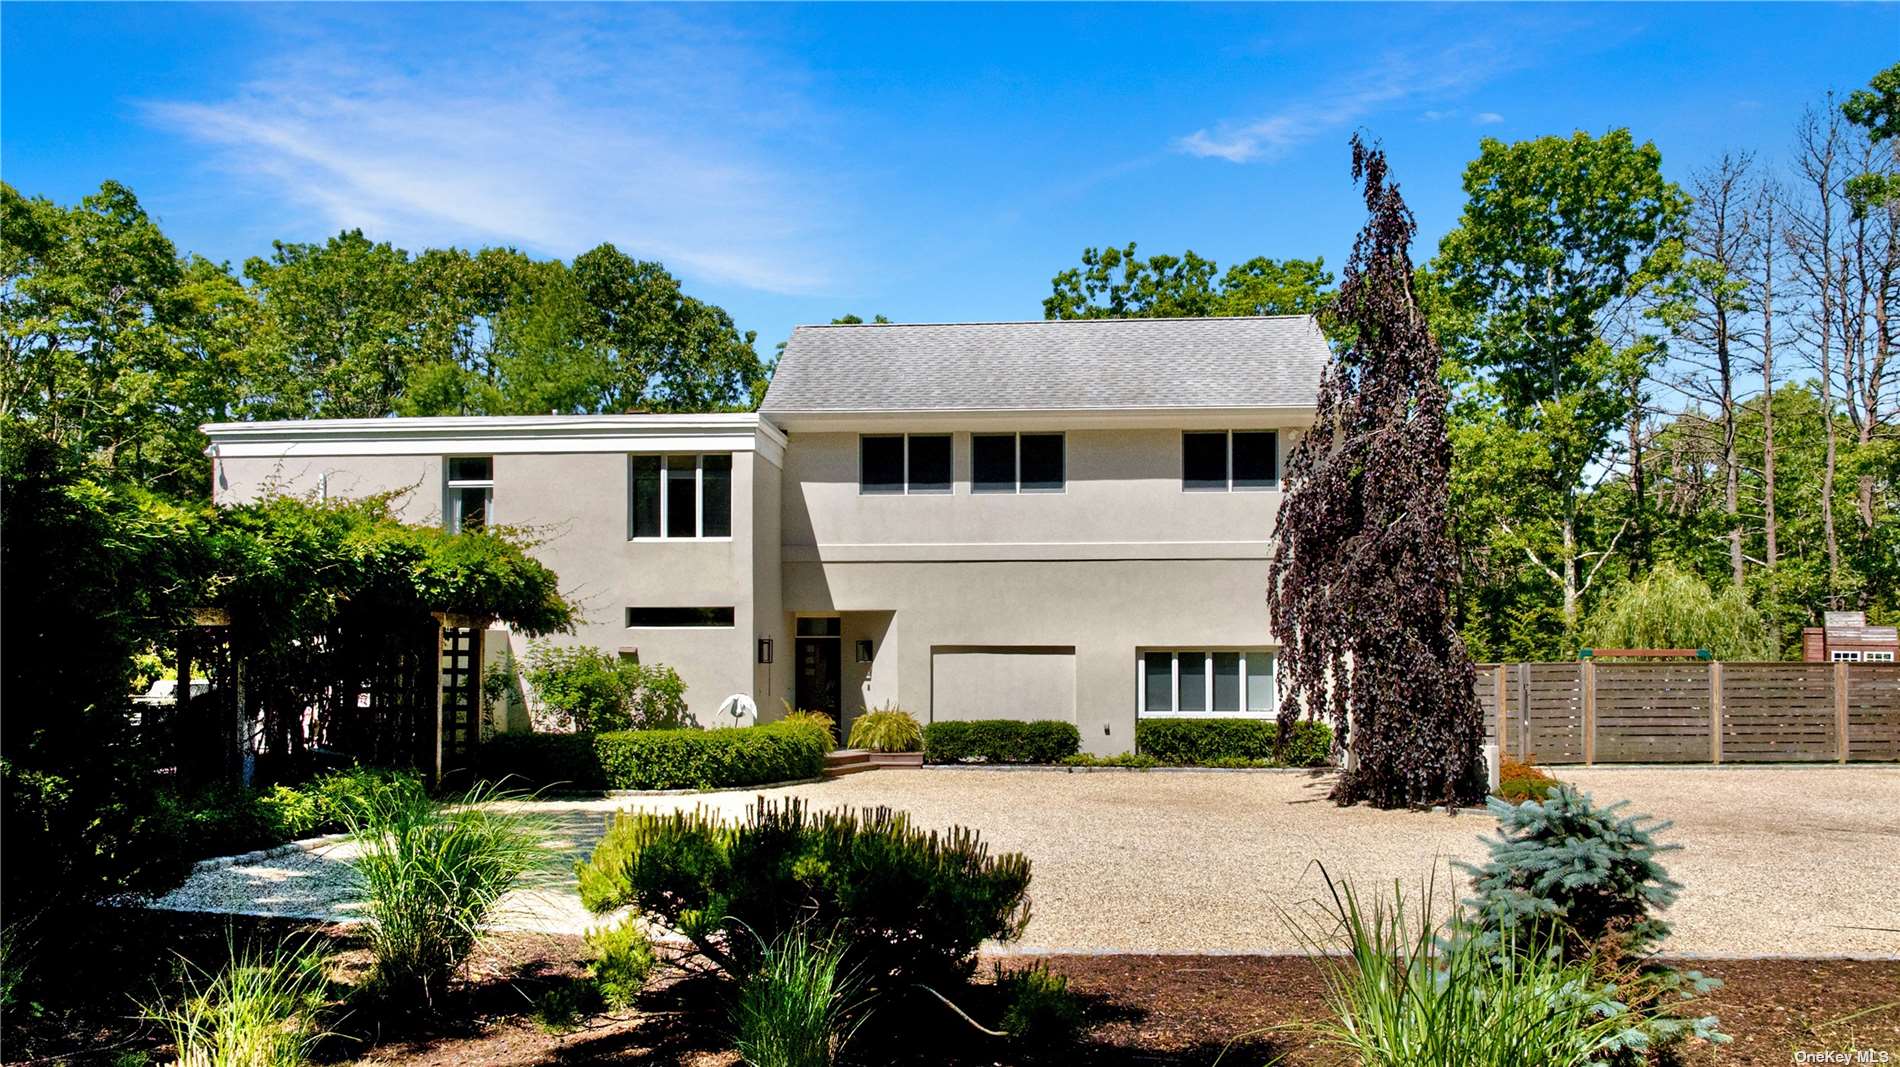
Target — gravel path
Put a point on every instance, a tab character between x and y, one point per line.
1791	861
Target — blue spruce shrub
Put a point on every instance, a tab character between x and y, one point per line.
1565	872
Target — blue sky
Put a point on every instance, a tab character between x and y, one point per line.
930	163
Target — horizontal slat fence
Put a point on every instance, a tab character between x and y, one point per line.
1679	711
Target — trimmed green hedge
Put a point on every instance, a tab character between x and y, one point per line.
1230	742
1001	741
659	759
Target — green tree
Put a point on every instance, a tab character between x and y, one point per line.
339	329
1672	608
1876	109
1115	283
1562	242
667	351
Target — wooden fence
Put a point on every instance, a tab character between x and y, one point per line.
1692	712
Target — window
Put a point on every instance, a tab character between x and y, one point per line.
1192	682
899	463
1878	657
1008	463
827	626
1845	655
929	463
1220	461
676	617
470	493
881	464
680	497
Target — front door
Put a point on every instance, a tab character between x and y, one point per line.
817	688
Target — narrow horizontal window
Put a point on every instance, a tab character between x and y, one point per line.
471	469
929	463
881	464
818	627
1256	459
1201	682
679	616
1042	462
1204	461
993	463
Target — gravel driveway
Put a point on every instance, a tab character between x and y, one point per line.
1790	861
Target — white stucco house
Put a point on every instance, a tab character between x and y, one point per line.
1065	520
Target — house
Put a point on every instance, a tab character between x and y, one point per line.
1065	520
1845	637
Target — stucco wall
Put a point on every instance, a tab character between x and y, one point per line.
578	502
1123	486
1104	609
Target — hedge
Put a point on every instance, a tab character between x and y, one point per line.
658	759
1001	741
1230	742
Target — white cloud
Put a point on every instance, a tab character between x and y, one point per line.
1486	118
1439	116
1398	77
551	133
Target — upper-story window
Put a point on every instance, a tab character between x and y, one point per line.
904	463
1016	462
1219	461
680	497
470	492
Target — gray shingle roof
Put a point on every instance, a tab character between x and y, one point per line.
1076	365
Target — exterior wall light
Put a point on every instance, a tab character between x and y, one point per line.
765	650
864	650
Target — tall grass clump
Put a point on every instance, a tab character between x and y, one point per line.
433	873
1412	989
261	1010
888	729
797	1008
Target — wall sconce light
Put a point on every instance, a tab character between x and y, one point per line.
864	650
765	650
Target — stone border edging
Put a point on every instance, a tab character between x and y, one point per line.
304	844
617	794
1085	769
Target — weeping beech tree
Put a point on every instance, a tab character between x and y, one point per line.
1362	573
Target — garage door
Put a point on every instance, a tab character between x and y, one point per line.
1002	682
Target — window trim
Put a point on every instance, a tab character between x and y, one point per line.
1279	462
949	490
451	485
1207	652
699	497
1016	465
1876	655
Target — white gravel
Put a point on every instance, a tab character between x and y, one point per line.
1788	861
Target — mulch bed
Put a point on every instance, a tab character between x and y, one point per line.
1241	1010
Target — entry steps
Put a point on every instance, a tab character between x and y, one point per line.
852	760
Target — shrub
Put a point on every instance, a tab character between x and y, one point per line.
888	729
261	1010
660	759
1565	873
1410	989
1593	876
584	689
1001	741
913	906
1039	1007
623	960
793	1010
1231	742
433	874
1520	780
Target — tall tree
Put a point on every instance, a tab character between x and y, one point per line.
668	351
1363	569
1714	320
1115	283
1559	241
1814	239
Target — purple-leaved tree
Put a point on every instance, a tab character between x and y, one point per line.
1362	573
